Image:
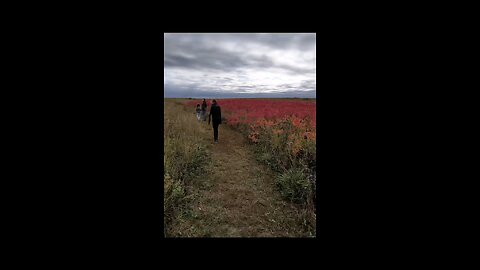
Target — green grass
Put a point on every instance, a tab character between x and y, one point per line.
294	185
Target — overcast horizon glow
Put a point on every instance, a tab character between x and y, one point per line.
239	65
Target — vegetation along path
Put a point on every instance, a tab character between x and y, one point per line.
237	197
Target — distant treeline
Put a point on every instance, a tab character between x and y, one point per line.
253	98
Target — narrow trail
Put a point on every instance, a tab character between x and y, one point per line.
237	198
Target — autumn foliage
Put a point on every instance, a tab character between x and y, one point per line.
284	132
282	127
267	113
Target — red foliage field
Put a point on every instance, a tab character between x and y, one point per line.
267	113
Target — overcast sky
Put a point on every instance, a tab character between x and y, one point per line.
239	65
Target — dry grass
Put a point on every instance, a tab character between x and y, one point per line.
184	160
235	196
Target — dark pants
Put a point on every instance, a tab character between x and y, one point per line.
215	131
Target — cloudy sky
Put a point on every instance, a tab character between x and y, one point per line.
239	65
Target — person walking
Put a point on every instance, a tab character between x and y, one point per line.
204	110
198	110
216	115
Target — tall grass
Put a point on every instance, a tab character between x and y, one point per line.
184	158
292	154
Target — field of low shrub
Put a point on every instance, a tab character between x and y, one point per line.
284	134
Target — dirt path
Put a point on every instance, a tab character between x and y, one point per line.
237	198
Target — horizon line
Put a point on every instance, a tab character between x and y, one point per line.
243	97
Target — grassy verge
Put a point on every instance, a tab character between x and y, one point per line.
184	159
293	158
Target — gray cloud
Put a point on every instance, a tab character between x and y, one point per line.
284	41
271	64
203	58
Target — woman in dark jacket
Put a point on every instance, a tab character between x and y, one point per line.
216	114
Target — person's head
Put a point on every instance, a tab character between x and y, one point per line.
198	104
214	101
203	100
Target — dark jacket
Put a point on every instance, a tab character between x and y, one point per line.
216	114
204	106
